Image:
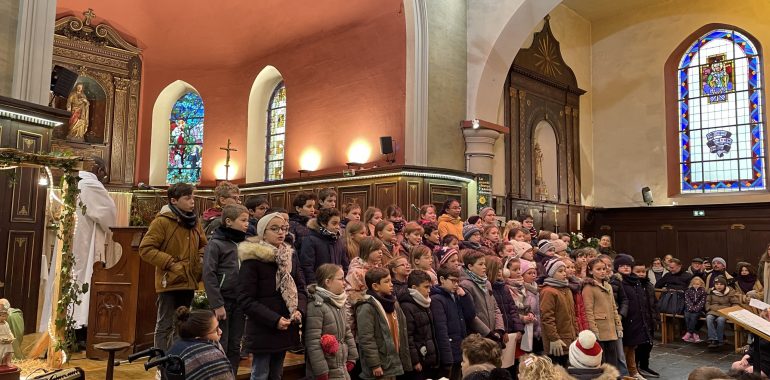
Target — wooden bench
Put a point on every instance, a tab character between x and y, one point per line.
668	333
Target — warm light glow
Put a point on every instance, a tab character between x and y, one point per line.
310	159
220	171
475	123
359	152
43	181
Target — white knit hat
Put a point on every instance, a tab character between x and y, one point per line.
263	221
585	351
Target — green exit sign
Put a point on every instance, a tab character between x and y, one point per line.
698	213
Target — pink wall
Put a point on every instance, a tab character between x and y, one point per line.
343	86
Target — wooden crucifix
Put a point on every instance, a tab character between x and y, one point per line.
227	159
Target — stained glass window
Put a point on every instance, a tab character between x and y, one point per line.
721	130
276	133
185	145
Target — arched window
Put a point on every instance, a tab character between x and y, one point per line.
276	133
720	124
185	146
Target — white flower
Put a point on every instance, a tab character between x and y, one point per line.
580	236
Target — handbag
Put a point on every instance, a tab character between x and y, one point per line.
672	302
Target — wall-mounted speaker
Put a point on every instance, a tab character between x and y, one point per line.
386	145
62	80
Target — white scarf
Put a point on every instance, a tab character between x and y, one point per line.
422	301
336	299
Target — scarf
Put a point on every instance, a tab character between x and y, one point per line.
419	298
532	288
556	283
658	270
284	283
746	283
481	282
489	244
517	283
336	299
332	235
388	303
186	219
722	294
231	234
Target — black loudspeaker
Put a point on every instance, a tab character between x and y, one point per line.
386	145
62	81
647	195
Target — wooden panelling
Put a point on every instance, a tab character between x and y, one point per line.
278	200
20	285
385	194
354	194
735	232
412	198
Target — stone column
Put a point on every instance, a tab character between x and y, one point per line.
480	149
34	51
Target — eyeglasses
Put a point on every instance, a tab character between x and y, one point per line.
278	229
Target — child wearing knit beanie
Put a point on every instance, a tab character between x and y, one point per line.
557	310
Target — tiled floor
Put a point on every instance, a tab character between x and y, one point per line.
676	360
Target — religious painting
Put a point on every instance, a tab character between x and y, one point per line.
88	103
185	140
717	78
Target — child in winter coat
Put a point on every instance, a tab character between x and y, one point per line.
648	307
695	302
721	296
370	256
576	286
449	322
602	313
399	269
501	291
639	322
489	320
531	340
423	348
381	335
326	324
421	257
557	310
220	278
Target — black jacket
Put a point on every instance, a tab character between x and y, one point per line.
263	304
511	318
318	249
220	268
621	301
399	288
638	323
298	229
449	325
419	323
677	281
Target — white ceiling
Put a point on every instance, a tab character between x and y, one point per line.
594	10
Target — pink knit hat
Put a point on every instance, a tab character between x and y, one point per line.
527	265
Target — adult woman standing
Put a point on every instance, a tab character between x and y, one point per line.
272	294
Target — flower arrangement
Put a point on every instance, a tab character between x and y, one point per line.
200	300
329	344
577	241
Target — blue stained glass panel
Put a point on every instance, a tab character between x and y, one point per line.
721	131
276	134
185	145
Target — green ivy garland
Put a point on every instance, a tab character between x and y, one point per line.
69	290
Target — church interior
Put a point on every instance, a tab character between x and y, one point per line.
599	117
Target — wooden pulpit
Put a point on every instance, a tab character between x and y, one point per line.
122	298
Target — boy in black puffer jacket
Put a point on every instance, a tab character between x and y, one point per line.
419	321
449	321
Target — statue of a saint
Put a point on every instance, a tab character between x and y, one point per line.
78	104
541	190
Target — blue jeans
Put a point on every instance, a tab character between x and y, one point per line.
716	327
267	366
691	321
622	368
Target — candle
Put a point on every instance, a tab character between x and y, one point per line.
555	211
578	221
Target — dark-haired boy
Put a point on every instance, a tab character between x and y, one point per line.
257	207
415	303
174	245
303	208
327	198
449	321
381	326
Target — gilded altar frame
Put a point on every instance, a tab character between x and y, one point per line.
100	53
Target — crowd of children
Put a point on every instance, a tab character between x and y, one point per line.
369	295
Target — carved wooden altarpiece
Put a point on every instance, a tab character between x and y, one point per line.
110	70
542	87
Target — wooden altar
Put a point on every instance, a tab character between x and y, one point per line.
122	298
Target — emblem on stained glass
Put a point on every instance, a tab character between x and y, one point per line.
185	140
719	142
717	78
